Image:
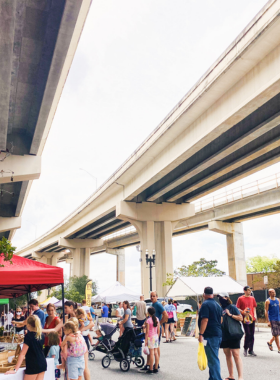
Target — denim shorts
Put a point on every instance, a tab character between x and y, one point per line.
75	366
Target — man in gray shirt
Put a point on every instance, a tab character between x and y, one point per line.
140	311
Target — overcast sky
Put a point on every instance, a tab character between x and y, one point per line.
134	62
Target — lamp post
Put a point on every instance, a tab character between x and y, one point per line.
151	262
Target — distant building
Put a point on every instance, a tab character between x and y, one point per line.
256	280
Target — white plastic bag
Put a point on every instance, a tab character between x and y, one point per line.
146	350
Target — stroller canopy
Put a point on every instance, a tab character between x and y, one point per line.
107	328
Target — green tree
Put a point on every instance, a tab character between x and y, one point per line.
201	268
74	289
6	250
261	264
274	279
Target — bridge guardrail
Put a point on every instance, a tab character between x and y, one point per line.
244	191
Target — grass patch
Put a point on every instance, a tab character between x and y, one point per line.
183	315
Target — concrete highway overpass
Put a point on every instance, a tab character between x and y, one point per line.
225	128
38	40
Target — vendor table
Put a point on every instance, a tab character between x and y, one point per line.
49	375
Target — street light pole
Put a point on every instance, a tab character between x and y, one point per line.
151	262
91	176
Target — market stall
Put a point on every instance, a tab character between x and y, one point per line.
45	303
194	286
116	293
24	276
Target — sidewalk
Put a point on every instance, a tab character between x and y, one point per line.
179	360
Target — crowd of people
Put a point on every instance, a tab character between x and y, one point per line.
219	324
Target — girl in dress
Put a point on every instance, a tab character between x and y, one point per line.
32	350
151	340
76	349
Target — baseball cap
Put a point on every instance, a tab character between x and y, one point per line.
223	294
247	287
208	290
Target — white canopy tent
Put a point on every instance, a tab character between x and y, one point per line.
116	293
49	300
194	286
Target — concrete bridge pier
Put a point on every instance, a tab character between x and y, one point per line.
50	258
235	248
81	262
154	224
120	263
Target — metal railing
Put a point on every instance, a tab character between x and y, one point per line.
126	231
244	191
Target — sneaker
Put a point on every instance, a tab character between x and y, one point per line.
149	372
145	368
251	353
155	370
245	352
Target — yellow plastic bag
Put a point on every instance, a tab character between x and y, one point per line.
201	357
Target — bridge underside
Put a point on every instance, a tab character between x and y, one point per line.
250	145
37	44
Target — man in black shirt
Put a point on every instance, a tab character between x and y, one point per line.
210	330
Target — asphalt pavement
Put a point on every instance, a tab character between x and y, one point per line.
179	360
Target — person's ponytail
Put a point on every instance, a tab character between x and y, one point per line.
35	323
152	313
154	318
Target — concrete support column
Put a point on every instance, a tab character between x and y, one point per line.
235	249
120	272
120	263
147	239
164	256
70	262
76	262
42	259
81	262
87	262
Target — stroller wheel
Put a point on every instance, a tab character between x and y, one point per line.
91	355
124	365
106	361
139	361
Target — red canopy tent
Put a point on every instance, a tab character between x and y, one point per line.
26	276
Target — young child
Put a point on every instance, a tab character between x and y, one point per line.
54	351
32	350
64	348
76	349
83	321
151	340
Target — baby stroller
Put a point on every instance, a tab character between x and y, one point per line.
106	344
128	349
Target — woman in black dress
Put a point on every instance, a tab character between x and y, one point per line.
32	350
